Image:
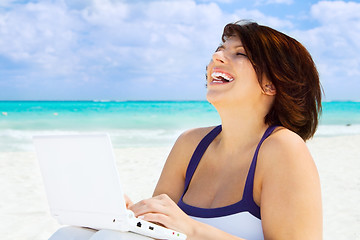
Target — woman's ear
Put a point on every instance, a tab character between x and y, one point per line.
268	88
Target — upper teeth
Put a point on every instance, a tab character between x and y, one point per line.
216	76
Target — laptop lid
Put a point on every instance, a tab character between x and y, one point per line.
81	180
83	186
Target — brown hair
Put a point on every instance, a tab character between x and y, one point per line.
290	68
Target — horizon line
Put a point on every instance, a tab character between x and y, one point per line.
141	100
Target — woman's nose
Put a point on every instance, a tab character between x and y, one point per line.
219	57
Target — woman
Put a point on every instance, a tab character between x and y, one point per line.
252	177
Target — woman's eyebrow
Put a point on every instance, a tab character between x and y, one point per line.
239	46
221	47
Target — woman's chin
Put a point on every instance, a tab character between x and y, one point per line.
215	97
209	97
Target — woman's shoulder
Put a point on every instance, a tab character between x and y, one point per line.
284	149
192	137
186	144
283	139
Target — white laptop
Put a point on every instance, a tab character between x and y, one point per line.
83	186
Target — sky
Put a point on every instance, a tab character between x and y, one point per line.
158	50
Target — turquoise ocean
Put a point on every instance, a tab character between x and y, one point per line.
135	123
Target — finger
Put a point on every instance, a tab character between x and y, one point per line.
165	200
163	197
128	201
157	218
147	206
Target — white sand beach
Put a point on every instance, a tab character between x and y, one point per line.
24	211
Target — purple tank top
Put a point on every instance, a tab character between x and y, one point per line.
246	204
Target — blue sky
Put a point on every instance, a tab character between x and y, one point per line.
157	50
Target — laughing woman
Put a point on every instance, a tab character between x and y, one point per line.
252	177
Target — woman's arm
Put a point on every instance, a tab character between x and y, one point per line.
291	205
172	178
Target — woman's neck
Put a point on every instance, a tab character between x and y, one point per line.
241	127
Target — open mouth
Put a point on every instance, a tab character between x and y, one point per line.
221	77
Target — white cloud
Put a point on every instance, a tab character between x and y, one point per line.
159	43
266	2
339	25
106	13
335	11
6	3
219	1
263	19
39	34
110	40
335	45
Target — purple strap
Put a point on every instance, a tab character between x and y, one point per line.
249	185
198	153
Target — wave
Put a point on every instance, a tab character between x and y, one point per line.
21	140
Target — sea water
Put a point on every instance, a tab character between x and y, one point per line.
135	123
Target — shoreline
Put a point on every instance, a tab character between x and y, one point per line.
24	209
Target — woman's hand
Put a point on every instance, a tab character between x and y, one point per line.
163	210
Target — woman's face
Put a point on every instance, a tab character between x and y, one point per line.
231	77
